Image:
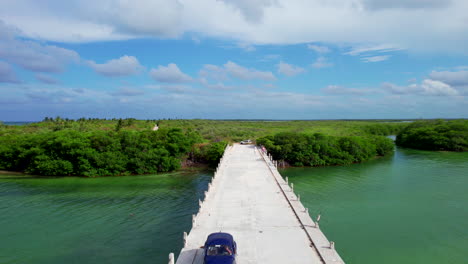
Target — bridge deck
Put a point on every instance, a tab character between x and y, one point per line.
249	199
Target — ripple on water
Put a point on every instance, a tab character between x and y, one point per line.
135	219
409	208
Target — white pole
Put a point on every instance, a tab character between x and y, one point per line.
171	258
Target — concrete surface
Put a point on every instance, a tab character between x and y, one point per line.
249	199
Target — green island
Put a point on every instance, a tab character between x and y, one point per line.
100	147
435	135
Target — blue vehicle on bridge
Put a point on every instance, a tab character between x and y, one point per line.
220	248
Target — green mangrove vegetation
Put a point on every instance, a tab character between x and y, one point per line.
98	147
300	149
449	135
96	153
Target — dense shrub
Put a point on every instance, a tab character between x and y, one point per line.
300	149
384	129
208	153
97	153
435	135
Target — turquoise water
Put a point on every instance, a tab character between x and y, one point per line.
136	219
409	208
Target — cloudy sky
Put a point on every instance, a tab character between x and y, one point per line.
272	59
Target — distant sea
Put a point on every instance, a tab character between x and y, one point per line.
17	123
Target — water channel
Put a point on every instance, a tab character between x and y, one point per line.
408	208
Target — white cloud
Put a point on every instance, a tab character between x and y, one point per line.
375	58
127	91
178	89
246	46
427	87
429	25
456	79
340	90
45	78
234	70
318	49
432	87
40	94
213	72
123	66
7	75
215	86
244	73
289	69
169	74
366	49
451	77
252	10
32	55
396	89
411	4
321	62
270	57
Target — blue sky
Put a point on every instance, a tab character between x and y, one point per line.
271	59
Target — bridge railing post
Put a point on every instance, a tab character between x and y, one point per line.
171	258
185	239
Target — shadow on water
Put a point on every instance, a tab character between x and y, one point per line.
134	219
409	208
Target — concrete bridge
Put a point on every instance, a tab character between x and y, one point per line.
249	199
